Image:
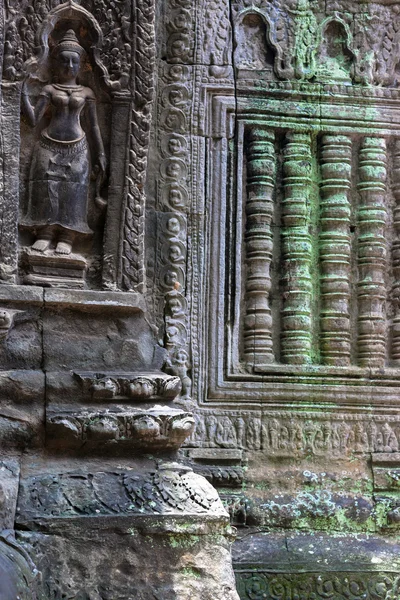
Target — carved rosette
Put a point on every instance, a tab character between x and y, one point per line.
259	244
296	250
335	250
396	253
372	253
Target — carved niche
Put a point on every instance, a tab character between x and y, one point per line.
303	188
83	137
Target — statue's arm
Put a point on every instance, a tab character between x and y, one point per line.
34	114
100	159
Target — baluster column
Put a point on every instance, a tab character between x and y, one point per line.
335	250
296	250
396	253
257	330
372	253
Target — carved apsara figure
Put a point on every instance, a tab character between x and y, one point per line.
60	169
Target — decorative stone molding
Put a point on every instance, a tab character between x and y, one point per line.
129	386
159	428
288	434
317	586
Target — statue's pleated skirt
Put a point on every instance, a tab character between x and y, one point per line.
59	185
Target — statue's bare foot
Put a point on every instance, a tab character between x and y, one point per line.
63	248
41	245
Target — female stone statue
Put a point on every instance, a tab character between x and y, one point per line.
60	169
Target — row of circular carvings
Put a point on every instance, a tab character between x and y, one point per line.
180	29
173	200
313	586
324	52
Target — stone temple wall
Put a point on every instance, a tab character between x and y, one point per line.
199	291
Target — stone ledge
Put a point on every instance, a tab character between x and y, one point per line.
85	300
22	293
316	552
89	300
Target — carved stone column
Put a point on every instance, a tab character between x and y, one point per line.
296	250
395	355
372	253
258	237
335	250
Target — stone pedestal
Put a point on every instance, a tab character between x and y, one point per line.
54	270
127	534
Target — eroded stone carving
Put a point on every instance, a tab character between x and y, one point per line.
7	317
172	488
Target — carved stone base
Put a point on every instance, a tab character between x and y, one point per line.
123	533
53	270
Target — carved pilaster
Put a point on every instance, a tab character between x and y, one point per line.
258	237
296	250
396	253
372	253
335	250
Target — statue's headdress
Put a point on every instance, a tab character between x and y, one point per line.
69	42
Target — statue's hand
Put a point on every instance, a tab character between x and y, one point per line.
102	164
99	169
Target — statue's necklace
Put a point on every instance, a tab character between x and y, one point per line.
69	89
